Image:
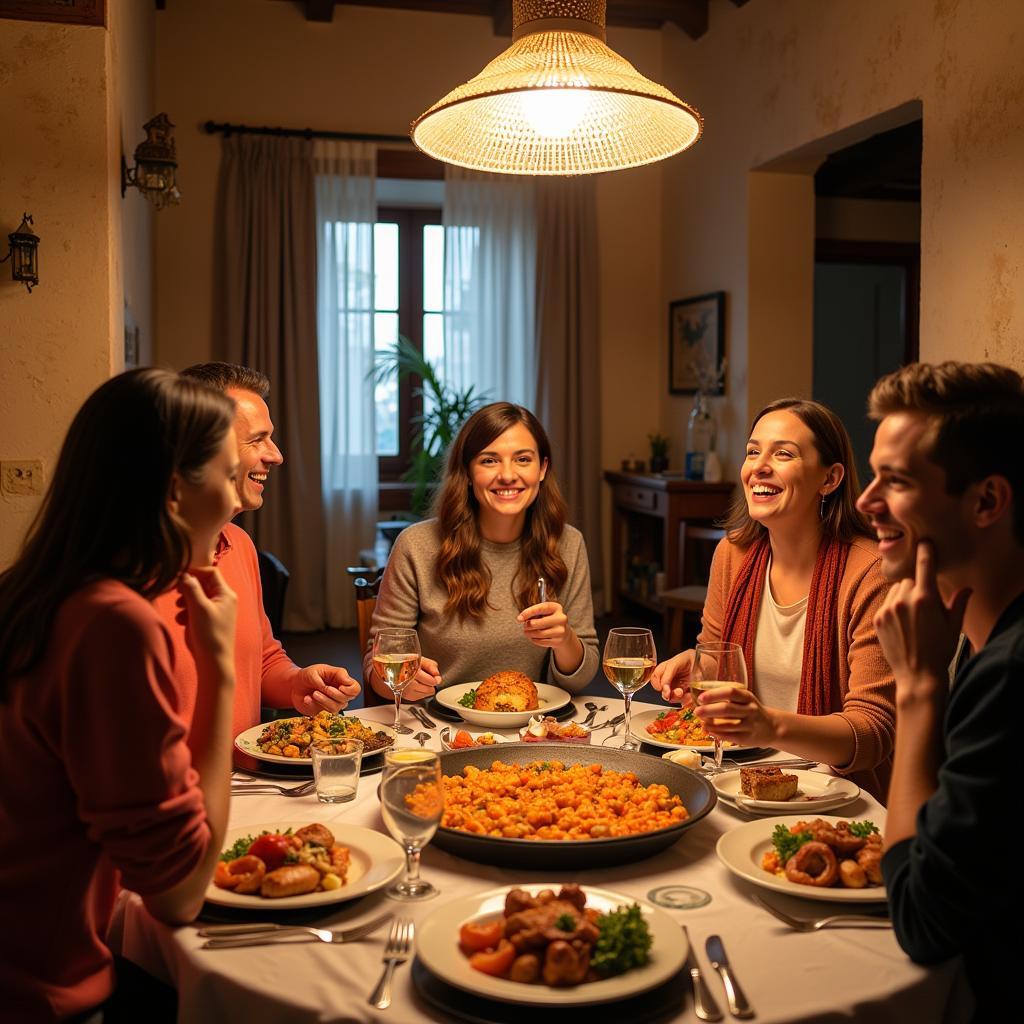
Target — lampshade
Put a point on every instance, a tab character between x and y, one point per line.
557	101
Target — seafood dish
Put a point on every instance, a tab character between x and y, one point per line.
279	864
548	729
847	854
680	726
292	737
556	939
549	800
503	691
461	739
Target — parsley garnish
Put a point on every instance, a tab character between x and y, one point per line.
468	699
786	844
862	829
566	923
624	941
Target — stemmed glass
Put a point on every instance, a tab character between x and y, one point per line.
411	800
717	665
629	660
396	660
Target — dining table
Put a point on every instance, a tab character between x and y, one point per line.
834	974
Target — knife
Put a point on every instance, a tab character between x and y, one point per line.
424	718
738	1005
611	721
704	1004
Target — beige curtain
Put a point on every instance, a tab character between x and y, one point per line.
266	318
568	360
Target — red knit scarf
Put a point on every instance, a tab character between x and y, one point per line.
819	684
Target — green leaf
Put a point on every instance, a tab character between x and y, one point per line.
624	941
786	844
862	829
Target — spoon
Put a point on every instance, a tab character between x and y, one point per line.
593	709
421	737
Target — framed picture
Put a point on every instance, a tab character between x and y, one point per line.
696	343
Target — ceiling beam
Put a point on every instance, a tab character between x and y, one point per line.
319	10
501	15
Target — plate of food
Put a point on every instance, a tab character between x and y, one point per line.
499	944
545	729
824	858
675	728
286	865
768	789
462	739
287	740
506	700
565	805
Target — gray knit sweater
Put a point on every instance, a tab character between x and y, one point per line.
467	650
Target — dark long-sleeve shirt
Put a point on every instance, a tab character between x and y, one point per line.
951	887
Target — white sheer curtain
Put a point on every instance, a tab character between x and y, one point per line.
345	215
490	265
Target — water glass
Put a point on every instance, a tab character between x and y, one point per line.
411	801
336	771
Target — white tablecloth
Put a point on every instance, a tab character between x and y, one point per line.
832	975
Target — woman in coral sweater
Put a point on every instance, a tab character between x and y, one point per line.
796	583
100	783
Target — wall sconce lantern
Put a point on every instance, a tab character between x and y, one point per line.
156	164
24	254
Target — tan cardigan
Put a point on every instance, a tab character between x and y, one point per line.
866	683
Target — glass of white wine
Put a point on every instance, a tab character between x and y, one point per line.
396	660
629	660
717	665
411	800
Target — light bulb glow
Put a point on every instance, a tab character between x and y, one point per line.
554	113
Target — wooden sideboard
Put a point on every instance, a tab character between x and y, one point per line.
647	511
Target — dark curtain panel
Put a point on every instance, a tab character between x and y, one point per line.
266	318
568	358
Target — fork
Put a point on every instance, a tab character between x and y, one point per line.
234	936
395	952
803	924
262	788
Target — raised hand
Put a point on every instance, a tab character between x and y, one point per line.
211	608
545	624
425	682
670	677
322	688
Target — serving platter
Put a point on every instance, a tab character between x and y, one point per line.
697	794
551	699
816	791
638	730
376	860
248	743
741	849
437	946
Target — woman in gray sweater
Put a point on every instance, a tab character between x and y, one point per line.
469	579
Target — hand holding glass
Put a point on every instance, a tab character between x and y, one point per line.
396	660
717	665
629	660
411	801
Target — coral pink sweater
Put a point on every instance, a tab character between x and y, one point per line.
96	787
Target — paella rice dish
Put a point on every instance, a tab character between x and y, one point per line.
292	737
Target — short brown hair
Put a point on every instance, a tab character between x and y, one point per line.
978	410
832	443
230	375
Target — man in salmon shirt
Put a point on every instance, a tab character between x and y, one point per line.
265	675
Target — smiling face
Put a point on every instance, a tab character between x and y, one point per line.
907	501
257	452
205	506
505	478
783	476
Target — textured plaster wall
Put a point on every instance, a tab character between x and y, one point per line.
774	78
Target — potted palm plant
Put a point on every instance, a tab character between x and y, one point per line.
445	410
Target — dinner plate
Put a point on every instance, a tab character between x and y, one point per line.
437	946
741	849
248	743
551	699
696	793
437	710
447	734
376	860
638	729
815	792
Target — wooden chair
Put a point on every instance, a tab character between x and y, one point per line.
367	584
693	573
274	583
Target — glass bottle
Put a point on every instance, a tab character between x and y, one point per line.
701	434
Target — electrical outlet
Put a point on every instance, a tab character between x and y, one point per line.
21	477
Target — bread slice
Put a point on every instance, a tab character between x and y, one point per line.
767	783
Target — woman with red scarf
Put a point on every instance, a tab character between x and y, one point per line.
796	583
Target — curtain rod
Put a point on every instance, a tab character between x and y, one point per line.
226	129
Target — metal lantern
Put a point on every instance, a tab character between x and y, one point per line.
24	254
156	165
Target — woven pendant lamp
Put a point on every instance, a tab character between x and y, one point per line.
557	101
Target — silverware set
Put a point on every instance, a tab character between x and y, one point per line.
236	936
814	924
421	716
259	787
704	1005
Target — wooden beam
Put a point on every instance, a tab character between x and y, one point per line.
501	16
319	10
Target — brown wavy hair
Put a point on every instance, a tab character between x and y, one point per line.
460	568
831	441
106	515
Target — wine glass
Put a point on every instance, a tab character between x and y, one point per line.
716	665
411	800
396	660
629	660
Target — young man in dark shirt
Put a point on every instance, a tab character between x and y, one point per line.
947	501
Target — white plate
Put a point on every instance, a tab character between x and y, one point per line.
449	731
741	849
248	743
375	861
551	698
437	946
638	728
815	792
